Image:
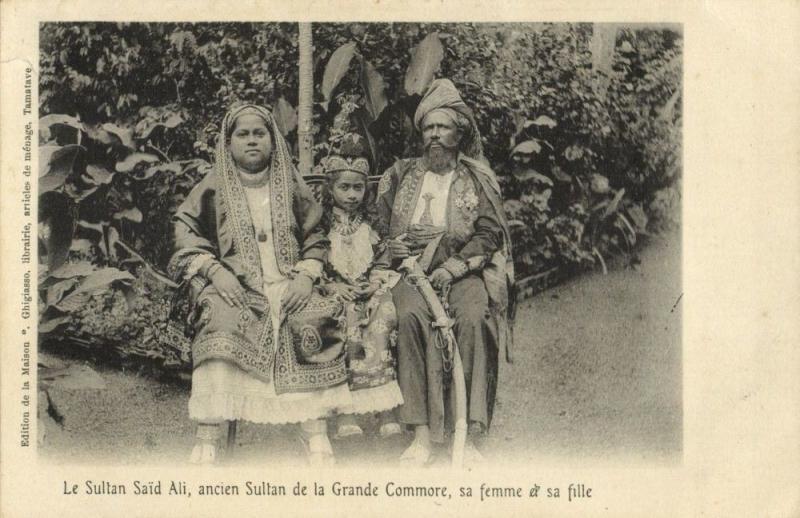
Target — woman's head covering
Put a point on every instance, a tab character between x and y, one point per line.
246	109
280	159
443	96
284	181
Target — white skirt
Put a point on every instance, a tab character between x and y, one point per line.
221	391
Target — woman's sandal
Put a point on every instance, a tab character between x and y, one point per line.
205	448
203	453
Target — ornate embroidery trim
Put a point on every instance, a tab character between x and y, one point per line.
293	376
310	341
233	203
406	199
385	184
461	215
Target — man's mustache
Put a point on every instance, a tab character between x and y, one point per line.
439	144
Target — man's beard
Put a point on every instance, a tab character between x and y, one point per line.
440	159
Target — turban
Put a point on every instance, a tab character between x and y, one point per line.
443	96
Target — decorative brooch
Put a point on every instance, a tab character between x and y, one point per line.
467	202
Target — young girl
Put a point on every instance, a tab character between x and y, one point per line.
364	286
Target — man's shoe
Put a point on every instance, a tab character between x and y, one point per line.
416	455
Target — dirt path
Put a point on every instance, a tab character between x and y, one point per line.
597	375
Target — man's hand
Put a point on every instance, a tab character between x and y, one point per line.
440	278
345	291
229	287
297	294
399	248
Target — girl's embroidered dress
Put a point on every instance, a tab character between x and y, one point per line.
371	323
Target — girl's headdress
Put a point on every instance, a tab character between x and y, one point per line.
338	163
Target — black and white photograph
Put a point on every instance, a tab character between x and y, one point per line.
338	243
399	258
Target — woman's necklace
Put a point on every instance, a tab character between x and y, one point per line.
254	180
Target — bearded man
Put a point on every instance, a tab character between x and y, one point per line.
449	191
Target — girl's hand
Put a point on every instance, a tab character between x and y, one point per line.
398	248
229	288
367	290
297	294
345	291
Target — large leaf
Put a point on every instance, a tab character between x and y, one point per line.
48	121
132	214
58	165
146	126
529	147
57	291
531	174
336	69
541	120
639	217
102	278
56	227
612	207
560	175
101	135
50	325
46	153
425	61
285	116
361	118
374	89
175	167
134	159
68	271
97	175
125	135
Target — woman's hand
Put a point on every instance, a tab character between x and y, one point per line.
345	291
229	287
297	294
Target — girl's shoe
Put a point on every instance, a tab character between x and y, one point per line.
389	425
347	426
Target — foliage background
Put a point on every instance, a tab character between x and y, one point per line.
581	122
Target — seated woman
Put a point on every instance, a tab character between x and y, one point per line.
353	275
266	348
